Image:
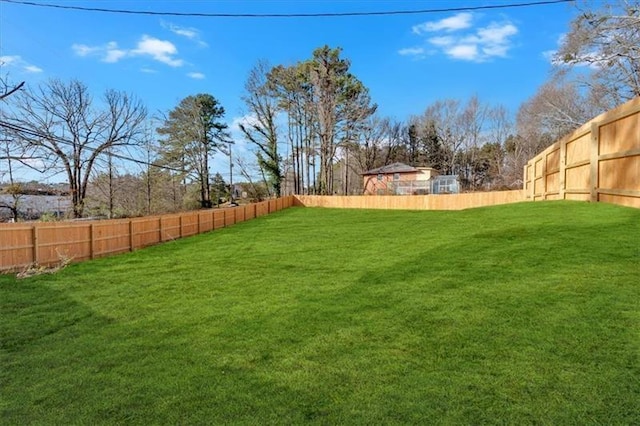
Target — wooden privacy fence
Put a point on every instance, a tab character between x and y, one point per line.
600	161
411	202
45	243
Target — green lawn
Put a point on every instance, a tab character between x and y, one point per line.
519	314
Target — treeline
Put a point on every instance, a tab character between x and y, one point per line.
322	118
312	126
315	128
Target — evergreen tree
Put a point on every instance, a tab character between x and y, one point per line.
193	133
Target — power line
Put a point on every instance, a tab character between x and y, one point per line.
67	142
288	15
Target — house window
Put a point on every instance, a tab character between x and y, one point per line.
379	176
396	176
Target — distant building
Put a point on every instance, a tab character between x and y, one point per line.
398	179
402	179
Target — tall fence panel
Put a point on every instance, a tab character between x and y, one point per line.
600	161
47	243
412	202
262	208
108	238
170	227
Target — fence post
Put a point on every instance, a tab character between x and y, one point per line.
531	172
562	185
525	175
595	152
91	241
544	176
130	235
34	239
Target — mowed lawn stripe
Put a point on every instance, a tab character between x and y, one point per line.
525	313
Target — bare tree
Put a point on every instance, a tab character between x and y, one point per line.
105	187
446	117
508	170
472	121
8	91
261	130
557	108
150	149
256	190
60	121
372	143
607	40
13	152
14	188
381	142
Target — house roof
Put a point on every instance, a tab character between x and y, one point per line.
391	168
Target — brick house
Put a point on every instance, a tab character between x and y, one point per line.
398	179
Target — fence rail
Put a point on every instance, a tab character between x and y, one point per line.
600	161
412	202
45	243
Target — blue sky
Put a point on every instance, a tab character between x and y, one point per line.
407	61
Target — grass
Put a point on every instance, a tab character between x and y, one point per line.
518	314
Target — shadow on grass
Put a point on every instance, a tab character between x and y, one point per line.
32	311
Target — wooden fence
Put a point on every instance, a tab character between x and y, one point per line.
412	202
600	161
45	243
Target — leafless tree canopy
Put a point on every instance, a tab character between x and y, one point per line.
61	122
605	36
261	130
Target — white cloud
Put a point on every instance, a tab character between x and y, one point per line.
412	51
188	32
113	54
196	75
245	120
442	41
476	45
185	32
109	52
454	23
84	50
497	33
465	52
159	50
17	62
148	70
33	69
9	60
